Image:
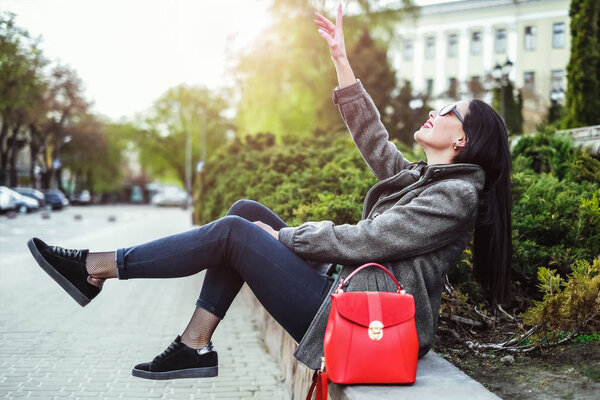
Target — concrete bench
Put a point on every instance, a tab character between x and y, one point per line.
436	377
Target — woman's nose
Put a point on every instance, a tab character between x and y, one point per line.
432	114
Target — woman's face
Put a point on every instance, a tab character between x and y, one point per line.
442	132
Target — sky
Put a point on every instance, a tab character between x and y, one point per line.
129	52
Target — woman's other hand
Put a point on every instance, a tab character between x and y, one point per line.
334	36
268	228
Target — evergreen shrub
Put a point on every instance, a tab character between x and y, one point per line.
315	178
556	193
570	305
556	187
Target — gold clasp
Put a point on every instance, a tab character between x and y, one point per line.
376	330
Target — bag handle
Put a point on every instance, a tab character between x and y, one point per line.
345	282
319	382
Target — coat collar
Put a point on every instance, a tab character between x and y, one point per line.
471	173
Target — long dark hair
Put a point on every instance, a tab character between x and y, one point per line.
487	146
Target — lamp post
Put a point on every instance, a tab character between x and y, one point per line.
500	75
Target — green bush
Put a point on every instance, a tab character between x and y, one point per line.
555	206
570	304
556	193
317	178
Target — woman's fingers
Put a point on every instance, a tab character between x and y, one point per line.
338	18
327	37
328	24
322	25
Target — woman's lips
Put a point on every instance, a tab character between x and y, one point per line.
427	125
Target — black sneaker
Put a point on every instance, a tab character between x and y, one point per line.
180	361
67	268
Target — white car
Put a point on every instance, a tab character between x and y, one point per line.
21	203
170	196
7	201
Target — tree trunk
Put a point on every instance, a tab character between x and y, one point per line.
3	154
14	150
33	151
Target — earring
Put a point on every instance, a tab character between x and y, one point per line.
455	146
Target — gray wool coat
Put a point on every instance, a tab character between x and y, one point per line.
416	221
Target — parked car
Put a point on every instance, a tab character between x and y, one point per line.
82	197
170	196
7	202
21	203
56	199
32	193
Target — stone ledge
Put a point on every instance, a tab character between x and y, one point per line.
436	377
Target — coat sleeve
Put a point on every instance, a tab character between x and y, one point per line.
370	136
430	221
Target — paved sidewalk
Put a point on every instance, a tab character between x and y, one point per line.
51	348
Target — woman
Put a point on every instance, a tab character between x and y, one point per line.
416	221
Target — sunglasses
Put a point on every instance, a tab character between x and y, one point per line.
451	108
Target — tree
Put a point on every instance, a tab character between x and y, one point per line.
372	67
94	155
286	77
583	70
21	85
66	107
404	119
161	136
513	107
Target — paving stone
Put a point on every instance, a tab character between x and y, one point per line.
66	351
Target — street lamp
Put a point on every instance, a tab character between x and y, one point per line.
500	74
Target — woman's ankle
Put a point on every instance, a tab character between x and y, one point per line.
95	281
101	265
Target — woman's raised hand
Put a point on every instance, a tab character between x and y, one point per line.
333	34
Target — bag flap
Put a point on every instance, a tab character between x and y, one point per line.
395	307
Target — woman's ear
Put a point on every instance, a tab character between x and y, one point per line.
459	144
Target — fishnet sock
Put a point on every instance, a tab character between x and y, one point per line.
200	329
102	265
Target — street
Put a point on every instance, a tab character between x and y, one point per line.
52	348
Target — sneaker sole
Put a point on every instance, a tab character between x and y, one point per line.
71	289
206	372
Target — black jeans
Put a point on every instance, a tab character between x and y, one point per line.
233	250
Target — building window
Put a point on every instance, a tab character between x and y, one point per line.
429	87
500	40
475	87
476	43
408	49
558	35
452	88
529	81
429	47
557	79
452	46
530	38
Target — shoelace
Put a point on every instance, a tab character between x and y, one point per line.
67	252
167	350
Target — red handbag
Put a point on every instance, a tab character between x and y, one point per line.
371	337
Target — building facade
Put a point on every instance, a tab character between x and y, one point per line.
450	50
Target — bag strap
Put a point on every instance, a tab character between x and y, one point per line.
342	285
319	382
